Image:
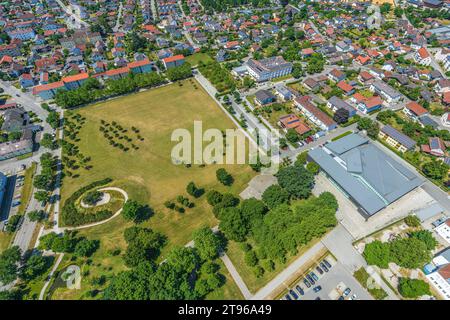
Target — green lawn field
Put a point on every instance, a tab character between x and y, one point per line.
148	174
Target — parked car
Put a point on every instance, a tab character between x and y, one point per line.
15	203
341	298
327	263
324	267
318	298
299	290
288	297
314	276
320	271
317	289
347	292
310	279
307	284
293	294
353	297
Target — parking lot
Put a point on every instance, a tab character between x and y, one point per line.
335	284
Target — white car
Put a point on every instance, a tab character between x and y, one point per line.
353	297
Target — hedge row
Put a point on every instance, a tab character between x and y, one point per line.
72	217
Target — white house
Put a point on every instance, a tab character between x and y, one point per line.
444	230
422	57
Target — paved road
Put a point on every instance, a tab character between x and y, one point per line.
287	273
50	275
340	243
119	15
154	11
75	22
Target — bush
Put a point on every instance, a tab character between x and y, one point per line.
313	168
250	258
412	221
214	197
72	217
92	197
224	177
413	288
13	223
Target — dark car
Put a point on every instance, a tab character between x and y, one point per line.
320	271
310	279
299	290
307	284
324	267
318	298
292	293
288	297
314	276
347	292
317	289
327	263
341	298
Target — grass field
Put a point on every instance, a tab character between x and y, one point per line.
196	58
5	240
147	174
27	187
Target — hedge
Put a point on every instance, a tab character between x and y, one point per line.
72	217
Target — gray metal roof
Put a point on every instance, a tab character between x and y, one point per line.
398	136
339	103
343	145
371	177
429	212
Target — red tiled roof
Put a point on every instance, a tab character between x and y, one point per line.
77	77
139	63
46	87
416	108
173	58
344	86
423	53
114	72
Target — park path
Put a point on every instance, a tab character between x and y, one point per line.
49	278
125	195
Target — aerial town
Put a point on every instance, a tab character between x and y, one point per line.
95	204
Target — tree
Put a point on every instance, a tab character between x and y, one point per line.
207	243
313	168
132	211
413	288
341	116
377	253
214	197
35	266
426	237
233	224
385	7
92	197
412	221
144	245
47	141
301	158
193	190
370	126
8	264
409	253
274	196
85	247
292	136
42	196
250	258
253	211
297	70
224	177
53	119
435	169
13	223
296	180
36	215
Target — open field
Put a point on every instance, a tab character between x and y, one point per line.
148	174
5	240
27	188
196	58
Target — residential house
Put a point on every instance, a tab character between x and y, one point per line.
173	61
336	103
263	97
336	75
422	57
396	139
385	91
283	92
26	80
435	147
414	110
291	121
314	114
